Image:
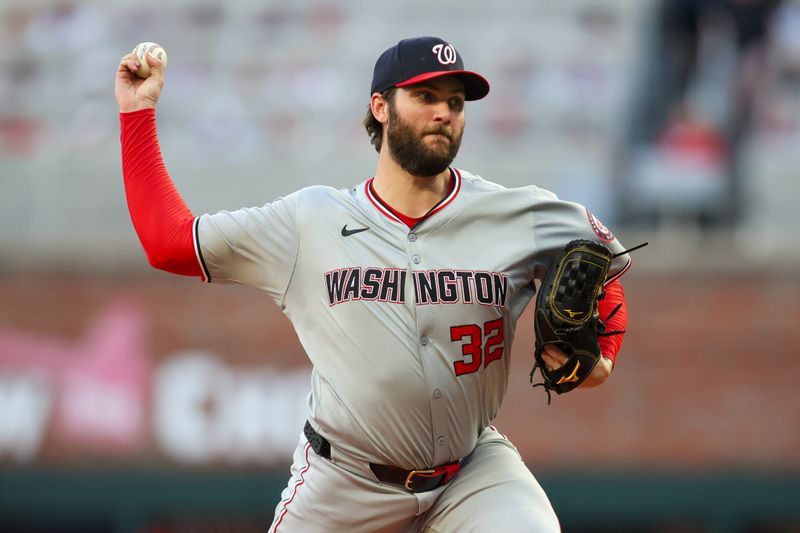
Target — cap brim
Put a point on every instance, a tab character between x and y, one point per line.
475	85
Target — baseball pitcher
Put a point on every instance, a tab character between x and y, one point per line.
405	292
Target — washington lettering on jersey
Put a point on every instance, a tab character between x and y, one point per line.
355	283
430	286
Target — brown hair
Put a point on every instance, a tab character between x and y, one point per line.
375	128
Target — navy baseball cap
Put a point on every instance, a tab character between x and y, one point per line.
423	58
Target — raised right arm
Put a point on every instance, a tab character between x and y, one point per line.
163	222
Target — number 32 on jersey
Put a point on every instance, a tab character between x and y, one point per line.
479	344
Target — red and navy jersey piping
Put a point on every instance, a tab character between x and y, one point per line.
620	273
391	213
206	277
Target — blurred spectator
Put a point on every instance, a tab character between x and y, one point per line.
65	28
696	31
19	135
786	33
261	85
777	102
770	155
682	174
709	55
688	137
14	21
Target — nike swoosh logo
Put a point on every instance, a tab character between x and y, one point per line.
347	232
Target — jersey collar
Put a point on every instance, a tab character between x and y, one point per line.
387	211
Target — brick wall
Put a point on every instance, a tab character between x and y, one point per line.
706	376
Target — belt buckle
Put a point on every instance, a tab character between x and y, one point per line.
410	477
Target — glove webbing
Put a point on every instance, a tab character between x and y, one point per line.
601	334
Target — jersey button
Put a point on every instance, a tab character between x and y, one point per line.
441	441
412	237
424	341
415	259
437	393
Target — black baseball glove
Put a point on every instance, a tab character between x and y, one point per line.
566	313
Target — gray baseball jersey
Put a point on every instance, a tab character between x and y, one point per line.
409	330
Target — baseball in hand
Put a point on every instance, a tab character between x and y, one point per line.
155	50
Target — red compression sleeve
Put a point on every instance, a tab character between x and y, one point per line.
615	296
162	220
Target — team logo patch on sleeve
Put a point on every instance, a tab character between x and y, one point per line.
600	230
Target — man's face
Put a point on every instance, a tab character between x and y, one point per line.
426	123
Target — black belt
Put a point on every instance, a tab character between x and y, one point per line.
412	480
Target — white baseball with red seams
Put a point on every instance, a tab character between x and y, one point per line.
155	50
409	330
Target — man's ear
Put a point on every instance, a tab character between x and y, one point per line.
380	108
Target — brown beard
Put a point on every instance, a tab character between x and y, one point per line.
412	154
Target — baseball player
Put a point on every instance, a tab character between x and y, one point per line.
404	291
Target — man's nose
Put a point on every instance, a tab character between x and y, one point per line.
441	112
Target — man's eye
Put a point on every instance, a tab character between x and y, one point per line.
456	104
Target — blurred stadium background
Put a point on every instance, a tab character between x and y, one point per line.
135	401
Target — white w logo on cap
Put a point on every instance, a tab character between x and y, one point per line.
445	54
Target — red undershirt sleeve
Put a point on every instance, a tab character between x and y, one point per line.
615	296
163	222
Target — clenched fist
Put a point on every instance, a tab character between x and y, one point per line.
133	92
